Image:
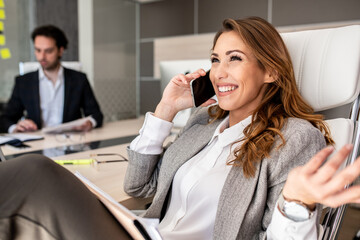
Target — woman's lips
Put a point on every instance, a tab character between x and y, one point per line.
226	89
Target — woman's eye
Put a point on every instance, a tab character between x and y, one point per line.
214	60
235	58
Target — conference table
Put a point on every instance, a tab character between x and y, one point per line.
111	140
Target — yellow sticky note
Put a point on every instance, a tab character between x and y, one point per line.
2	5
1	26
2	14
2	40
5	53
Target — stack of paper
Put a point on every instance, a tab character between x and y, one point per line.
66	127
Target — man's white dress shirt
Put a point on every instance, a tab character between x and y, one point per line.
51	98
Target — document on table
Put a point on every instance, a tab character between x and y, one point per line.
66	127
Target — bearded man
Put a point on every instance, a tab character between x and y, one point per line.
53	94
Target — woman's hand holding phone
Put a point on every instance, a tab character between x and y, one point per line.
177	96
202	91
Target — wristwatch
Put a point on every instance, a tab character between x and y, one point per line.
294	210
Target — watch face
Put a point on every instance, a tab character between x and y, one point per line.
295	211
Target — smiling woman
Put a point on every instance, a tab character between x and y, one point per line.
257	60
237	77
234	157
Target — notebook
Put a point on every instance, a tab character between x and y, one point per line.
137	227
15	138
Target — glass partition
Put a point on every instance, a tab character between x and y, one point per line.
15	45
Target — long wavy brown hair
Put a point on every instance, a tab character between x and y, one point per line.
281	99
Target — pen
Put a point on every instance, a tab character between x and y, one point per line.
86	161
109	161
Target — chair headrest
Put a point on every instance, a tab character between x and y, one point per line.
326	64
25	67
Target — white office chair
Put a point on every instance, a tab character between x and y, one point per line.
327	70
25	67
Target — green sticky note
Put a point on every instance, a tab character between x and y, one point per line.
2	40
2	5
2	14
5	53
1	26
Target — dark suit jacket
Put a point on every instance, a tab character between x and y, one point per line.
79	100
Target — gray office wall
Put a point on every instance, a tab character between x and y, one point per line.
167	18
115	58
185	17
211	13
146	57
294	12
63	14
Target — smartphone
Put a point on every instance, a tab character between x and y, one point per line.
18	145
201	89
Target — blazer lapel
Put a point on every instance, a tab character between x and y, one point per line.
231	211
184	148
67	86
189	144
35	93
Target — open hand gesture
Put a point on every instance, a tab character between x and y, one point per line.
316	182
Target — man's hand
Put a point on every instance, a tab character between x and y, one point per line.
26	125
85	127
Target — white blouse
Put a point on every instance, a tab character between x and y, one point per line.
197	187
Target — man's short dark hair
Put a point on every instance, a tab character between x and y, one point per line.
52	32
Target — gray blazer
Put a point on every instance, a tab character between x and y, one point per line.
246	204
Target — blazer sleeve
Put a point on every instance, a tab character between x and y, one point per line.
301	145
14	108
142	174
